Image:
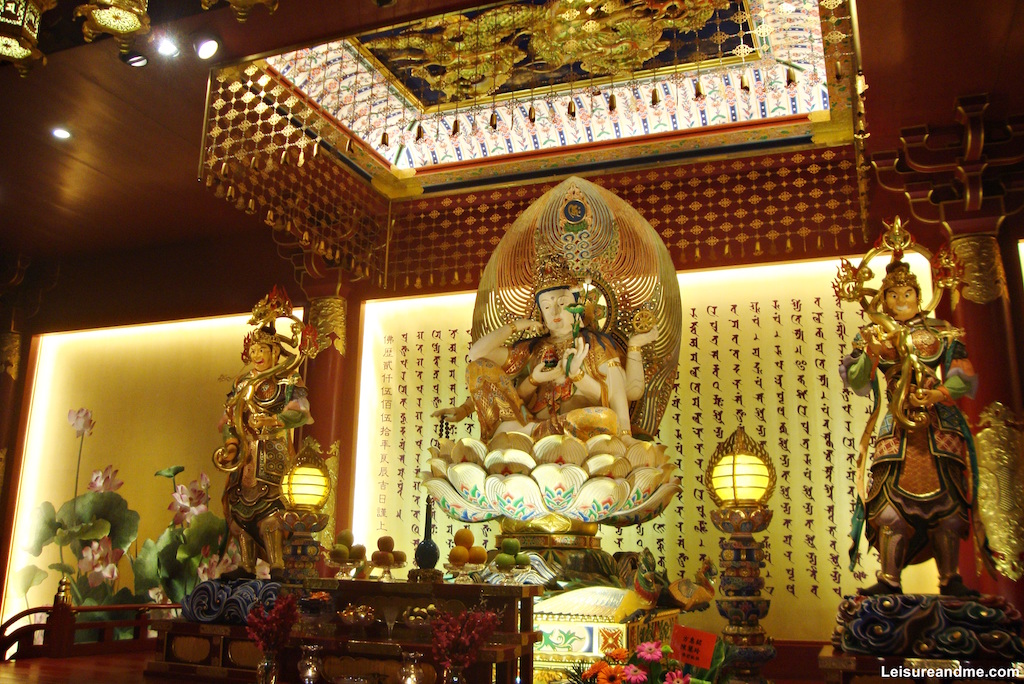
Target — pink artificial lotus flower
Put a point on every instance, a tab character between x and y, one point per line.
215	566
190	501
105	480
82	421
99	562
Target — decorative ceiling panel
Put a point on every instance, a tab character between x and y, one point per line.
545	76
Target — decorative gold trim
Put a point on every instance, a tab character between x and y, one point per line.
1000	446
984	277
329	316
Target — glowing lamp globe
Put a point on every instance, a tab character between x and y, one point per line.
740	473
306	487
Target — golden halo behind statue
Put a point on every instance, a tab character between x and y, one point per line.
605	241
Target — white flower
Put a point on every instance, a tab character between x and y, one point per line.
99	562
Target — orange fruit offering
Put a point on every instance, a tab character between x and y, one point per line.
477	555
386	544
458	555
464	538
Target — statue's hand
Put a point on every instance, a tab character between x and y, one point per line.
267	422
528	325
926	398
453	414
871	345
643	339
572	360
540	374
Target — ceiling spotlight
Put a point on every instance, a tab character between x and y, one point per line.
206	46
167	47
134	58
61	133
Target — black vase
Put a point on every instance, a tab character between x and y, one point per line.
427	553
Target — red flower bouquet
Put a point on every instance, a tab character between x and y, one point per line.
456	638
270	630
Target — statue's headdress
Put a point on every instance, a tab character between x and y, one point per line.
898	274
553	274
265	315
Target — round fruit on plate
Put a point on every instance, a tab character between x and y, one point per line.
465	538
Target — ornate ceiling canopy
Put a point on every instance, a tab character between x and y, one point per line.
553	75
514	91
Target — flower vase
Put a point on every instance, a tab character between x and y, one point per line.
455	675
427	554
267	670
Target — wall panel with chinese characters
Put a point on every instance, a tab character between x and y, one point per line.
760	347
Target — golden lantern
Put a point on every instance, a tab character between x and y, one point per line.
241	8
306	486
19	31
740	473
123	19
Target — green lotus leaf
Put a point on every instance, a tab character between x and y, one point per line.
109	506
62	568
205	529
169	472
26	578
94	529
44	528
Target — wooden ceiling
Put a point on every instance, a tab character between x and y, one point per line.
127	179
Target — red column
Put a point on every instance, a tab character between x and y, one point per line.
983	312
332	380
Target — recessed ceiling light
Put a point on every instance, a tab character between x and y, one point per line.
61	133
167	47
134	58
206	46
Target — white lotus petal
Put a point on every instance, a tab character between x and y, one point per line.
454	505
605	444
599	465
469	450
647	510
511	440
468	480
598	499
509	461
560	449
516	496
438	467
559	484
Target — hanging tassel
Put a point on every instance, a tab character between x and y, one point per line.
302	158
655	97
419	133
494	120
757	247
821	244
532	114
250	207
789	244
725	252
571	110
456	128
384	140
745	83
611	102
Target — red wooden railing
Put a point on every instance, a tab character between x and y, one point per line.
62	626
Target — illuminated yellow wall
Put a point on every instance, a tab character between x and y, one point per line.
156	393
414	353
